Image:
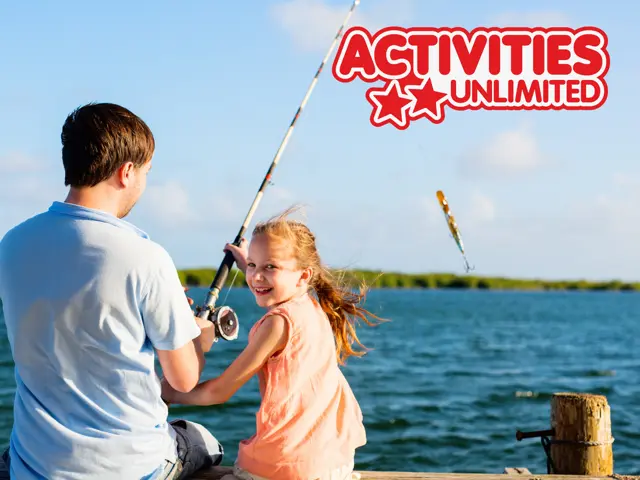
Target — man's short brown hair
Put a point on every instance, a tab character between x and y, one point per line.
98	138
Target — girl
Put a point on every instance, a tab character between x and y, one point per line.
309	423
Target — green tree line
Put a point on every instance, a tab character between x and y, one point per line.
377	279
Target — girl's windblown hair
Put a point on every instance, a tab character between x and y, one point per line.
341	305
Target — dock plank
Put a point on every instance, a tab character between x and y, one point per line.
216	473
474	476
517	471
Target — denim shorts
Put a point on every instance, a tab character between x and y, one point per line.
197	448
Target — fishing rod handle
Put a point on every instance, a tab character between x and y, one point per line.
223	271
209	303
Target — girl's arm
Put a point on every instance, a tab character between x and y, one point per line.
270	337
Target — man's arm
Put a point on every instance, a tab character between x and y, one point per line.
270	337
178	365
183	366
179	338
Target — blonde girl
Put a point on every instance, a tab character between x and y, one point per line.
309	423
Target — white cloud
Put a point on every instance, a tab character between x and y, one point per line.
28	186
475	211
625	180
483	209
26	182
280	194
18	162
432	211
614	212
212	217
276	200
611	212
168	203
312	24
543	18
513	151
28	189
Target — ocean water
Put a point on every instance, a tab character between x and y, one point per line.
453	375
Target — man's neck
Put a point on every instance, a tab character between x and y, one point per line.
92	198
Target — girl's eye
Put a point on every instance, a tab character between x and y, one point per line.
271	266
252	265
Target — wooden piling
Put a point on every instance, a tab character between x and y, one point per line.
582	442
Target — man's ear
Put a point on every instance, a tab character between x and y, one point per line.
306	276
125	174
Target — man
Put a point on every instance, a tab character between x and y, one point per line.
87	298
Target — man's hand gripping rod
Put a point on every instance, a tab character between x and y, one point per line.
224	318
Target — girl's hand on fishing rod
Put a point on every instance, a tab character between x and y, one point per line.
239	253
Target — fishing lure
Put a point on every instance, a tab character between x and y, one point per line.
453	227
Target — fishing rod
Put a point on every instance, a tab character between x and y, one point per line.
224	317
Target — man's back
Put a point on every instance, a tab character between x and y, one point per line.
79	290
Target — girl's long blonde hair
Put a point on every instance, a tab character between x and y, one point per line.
341	305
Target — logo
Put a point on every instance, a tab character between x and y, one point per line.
424	70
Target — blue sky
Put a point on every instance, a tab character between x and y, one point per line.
536	194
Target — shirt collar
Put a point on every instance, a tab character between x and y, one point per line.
87	213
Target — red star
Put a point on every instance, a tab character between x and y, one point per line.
428	102
390	105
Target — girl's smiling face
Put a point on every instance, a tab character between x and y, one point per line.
273	274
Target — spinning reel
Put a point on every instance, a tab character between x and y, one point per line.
224	319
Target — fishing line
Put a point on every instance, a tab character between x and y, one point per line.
224	318
233	280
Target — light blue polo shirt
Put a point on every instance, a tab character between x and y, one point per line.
86	296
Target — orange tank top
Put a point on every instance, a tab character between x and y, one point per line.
309	421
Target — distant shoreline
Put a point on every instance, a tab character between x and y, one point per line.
202	277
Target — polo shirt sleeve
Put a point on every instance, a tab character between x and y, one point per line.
167	316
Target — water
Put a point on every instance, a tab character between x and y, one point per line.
453	376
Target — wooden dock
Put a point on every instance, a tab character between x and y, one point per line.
216	473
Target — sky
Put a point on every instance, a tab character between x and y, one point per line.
536	194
